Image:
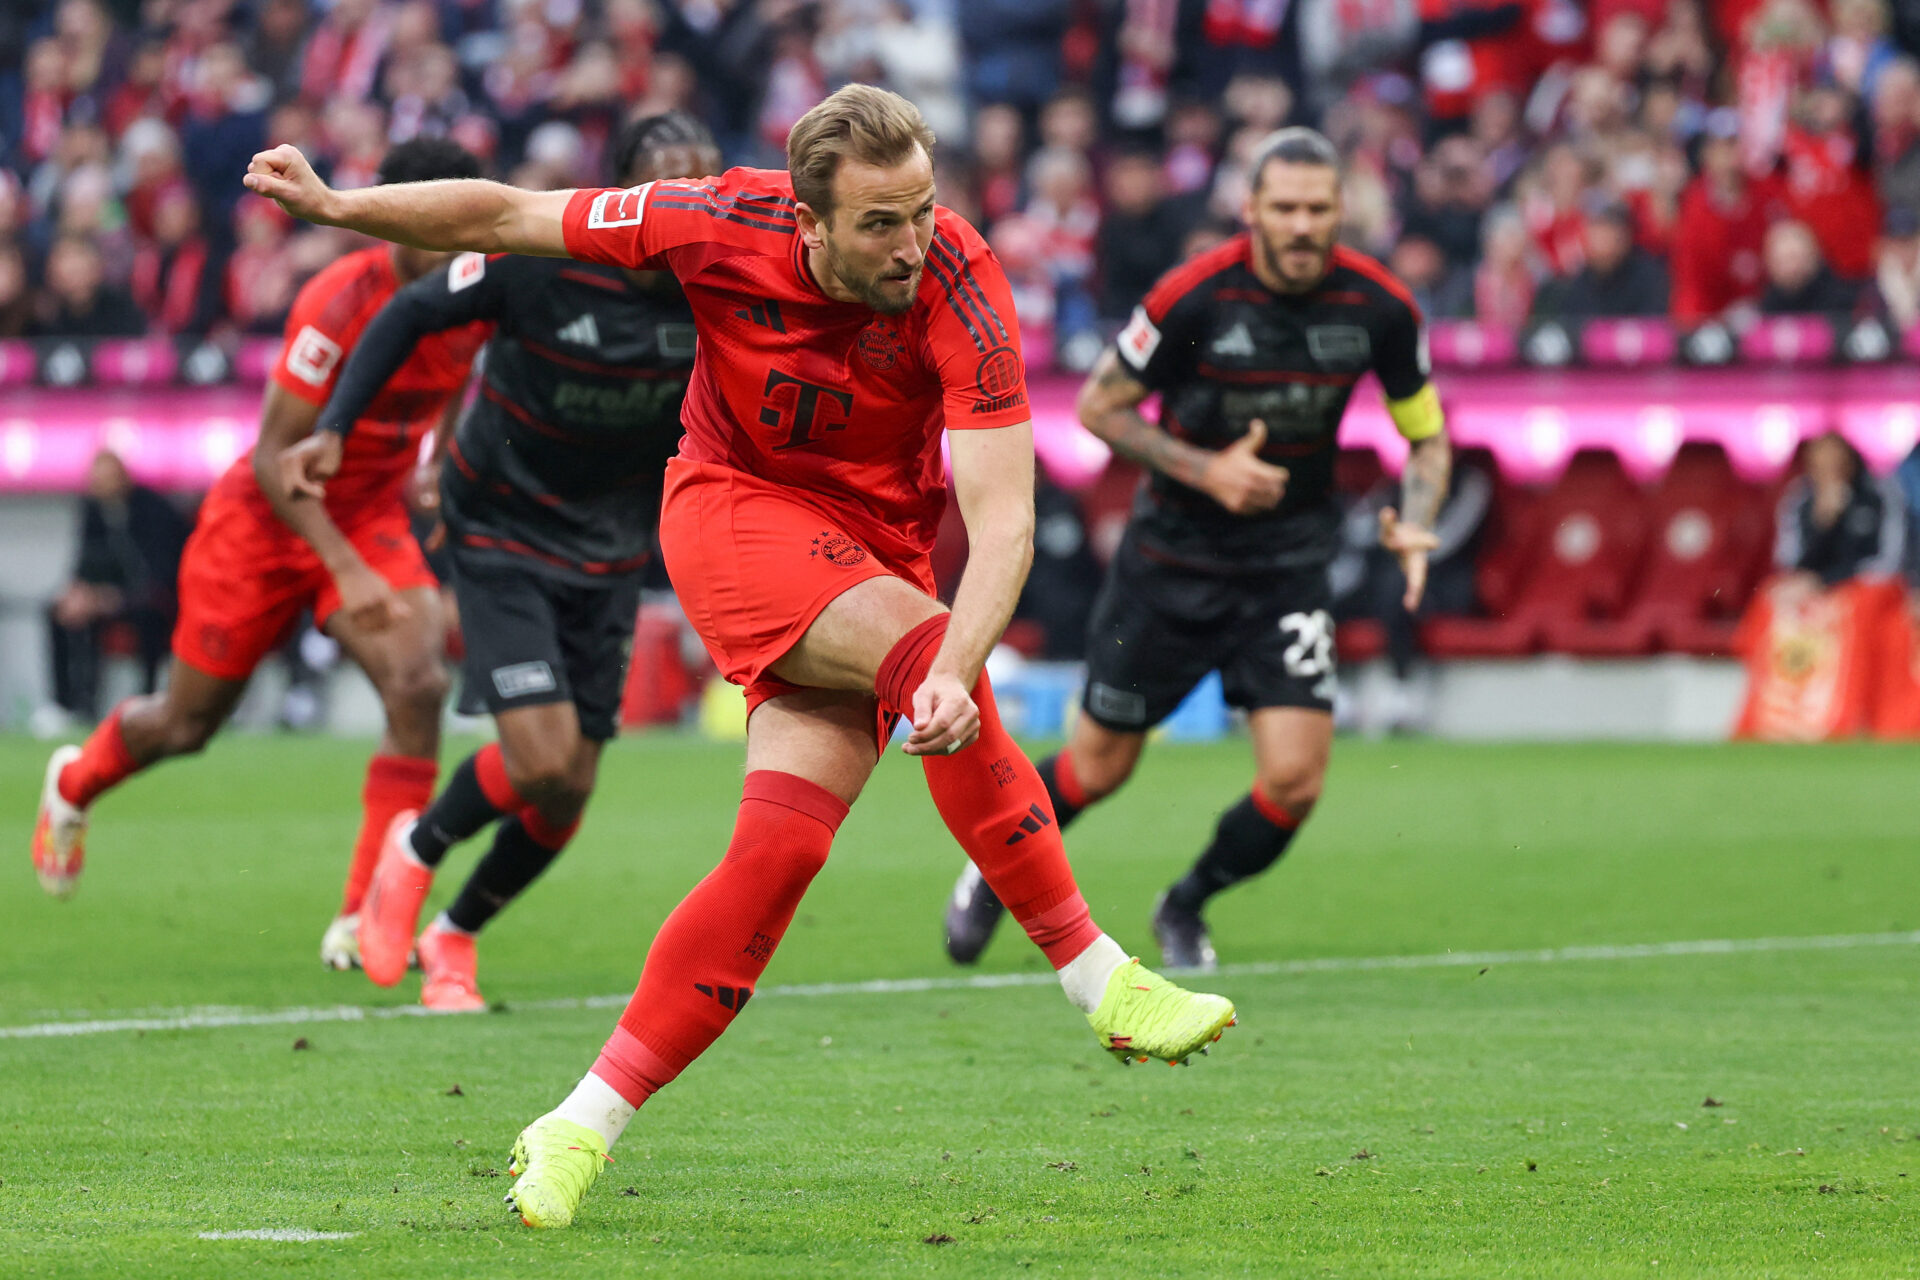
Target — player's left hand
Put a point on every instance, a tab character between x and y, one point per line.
945	719
1411	544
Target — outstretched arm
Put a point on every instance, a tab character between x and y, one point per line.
461	213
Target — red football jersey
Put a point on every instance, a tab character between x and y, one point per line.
326	320
827	397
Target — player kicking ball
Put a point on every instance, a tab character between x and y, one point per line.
1254	349
844	320
550	503
259	558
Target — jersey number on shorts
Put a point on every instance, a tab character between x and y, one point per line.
1311	653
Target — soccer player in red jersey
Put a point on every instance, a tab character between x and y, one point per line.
844	320
258	558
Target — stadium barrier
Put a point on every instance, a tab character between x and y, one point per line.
1532	421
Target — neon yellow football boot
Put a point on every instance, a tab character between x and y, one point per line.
554	1163
1142	1016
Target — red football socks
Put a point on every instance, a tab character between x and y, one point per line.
544	833
993	801
104	762
704	962
393	783
490	770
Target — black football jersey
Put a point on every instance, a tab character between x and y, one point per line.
1222	350
561	460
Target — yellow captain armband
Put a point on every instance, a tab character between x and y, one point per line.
1418	416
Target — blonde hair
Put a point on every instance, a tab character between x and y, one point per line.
859	122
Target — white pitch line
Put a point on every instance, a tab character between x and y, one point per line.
292	1235
204	1018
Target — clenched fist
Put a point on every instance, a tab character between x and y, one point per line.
284	176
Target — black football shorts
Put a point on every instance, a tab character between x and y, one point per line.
1159	628
532	638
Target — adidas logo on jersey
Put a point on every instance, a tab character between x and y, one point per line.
1234	342
765	314
583	331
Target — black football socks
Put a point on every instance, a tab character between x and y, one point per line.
1247	841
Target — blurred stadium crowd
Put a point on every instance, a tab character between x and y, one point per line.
1679	170
1510	159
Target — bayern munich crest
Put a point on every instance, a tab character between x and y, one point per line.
838	549
881	346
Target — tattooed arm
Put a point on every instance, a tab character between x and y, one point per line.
1235	477
1423	487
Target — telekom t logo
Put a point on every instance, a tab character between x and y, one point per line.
802	409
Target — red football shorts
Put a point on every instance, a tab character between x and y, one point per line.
245	578
755	563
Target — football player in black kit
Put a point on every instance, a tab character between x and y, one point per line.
551	498
1254	348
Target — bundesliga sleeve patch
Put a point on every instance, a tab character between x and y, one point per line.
1139	340
313	356
618	208
465	271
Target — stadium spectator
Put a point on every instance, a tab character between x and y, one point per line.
1894	111
1773	56
77	301
1139	232
342	57
1619	278
1470	47
129	554
1721	231
263	274
1826	184
1837	520
1451	191
1021	245
16	297
1496	128
1193	142
1553	198
1013	49
999	141
1507	277
1062	207
1440	290
176	281
1859	48
274	45
226	122
1897	269
1799	281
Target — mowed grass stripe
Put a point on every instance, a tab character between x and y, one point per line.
207	1018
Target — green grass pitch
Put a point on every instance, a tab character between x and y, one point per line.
1524	1116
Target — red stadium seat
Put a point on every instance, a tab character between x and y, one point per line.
1360	640
1557	570
1594	531
1704	525
1506	559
